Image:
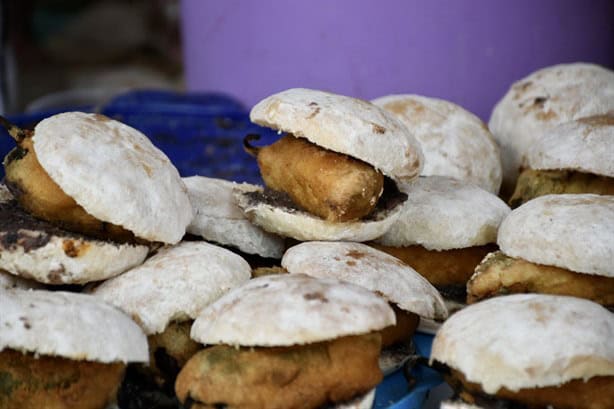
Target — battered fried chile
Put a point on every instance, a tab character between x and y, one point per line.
500	274
534	183
446	269
38	194
30	381
330	185
307	376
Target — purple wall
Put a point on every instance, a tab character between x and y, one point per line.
466	51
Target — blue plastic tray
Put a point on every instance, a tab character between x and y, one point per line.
202	134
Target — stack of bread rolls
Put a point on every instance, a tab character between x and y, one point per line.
122	283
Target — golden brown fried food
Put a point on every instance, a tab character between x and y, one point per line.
170	350
265	271
403	330
534	183
39	195
499	274
596	393
306	376
29	382
441	268
330	185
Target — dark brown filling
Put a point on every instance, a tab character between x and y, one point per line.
20	229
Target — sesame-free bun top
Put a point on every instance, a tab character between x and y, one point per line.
367	267
441	213
575	232
115	173
69	325
291	309
585	145
527	341
175	284
218	218
455	142
345	125
543	99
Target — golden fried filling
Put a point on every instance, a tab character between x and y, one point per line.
170	350
499	274
446	268
40	196
266	271
304	376
595	393
33	382
403	330
330	185
534	183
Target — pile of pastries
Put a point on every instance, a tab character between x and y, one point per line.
122	283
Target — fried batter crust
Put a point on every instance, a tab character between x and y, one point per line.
306	376
265	271
170	350
330	185
27	382
596	393
499	274
534	183
403	330
40	196
440	268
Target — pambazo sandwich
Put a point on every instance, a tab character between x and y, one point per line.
409	294
166	293
445	229
286	341
555	244
544	99
530	351
332	175
94	175
574	157
63	350
98	179
455	142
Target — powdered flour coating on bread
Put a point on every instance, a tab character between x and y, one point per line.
585	145
369	268
575	232
542	100
218	218
288	221
527	341
69	325
128	182
455	142
442	214
299	310
175	284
